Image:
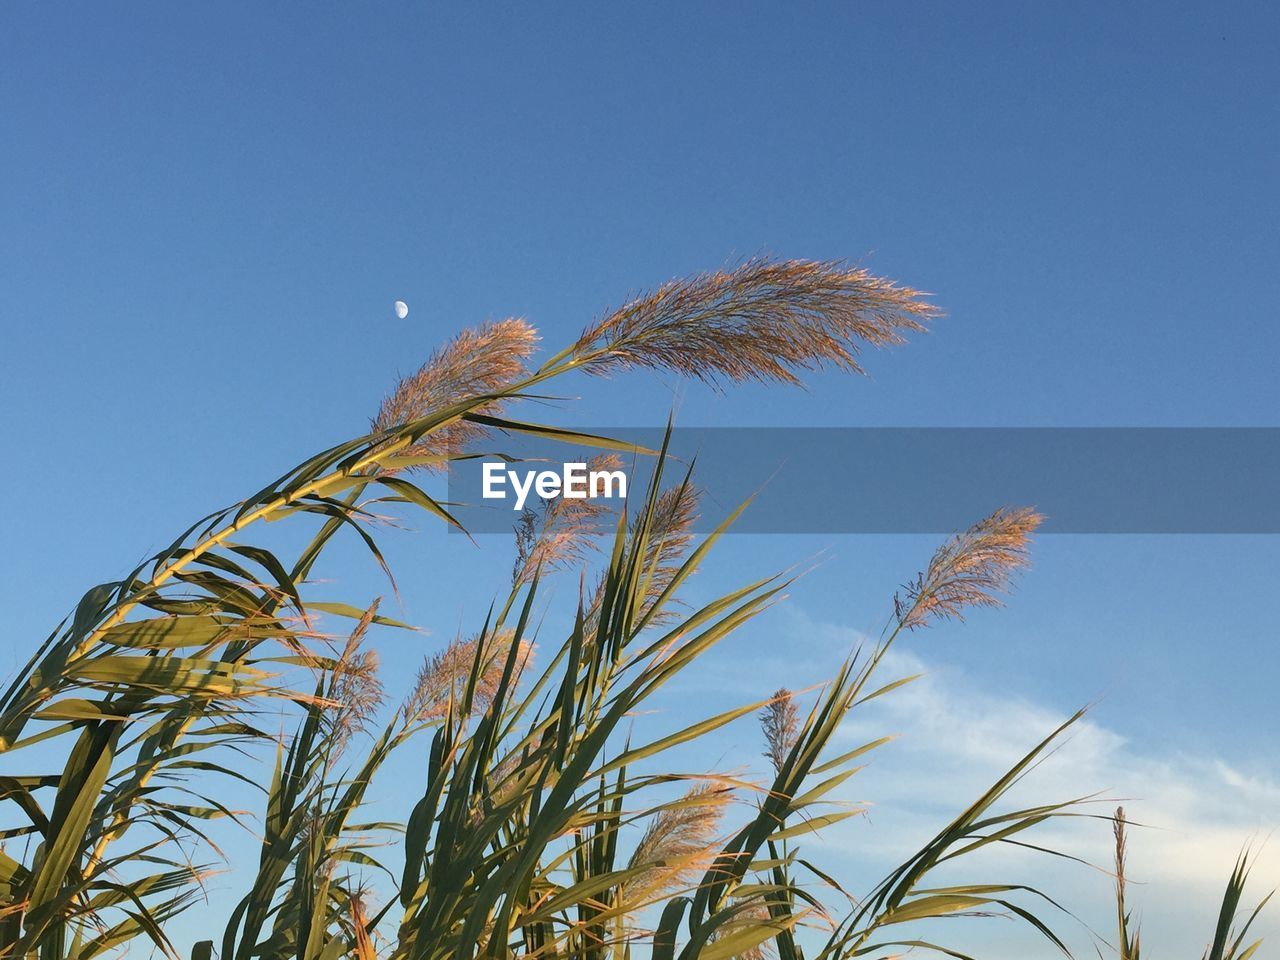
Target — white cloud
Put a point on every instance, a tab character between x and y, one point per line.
957	736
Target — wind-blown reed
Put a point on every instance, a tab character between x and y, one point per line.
547	821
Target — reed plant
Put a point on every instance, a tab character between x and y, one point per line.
546	824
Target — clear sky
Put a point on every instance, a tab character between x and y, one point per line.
206	211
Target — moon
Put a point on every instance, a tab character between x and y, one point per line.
402	309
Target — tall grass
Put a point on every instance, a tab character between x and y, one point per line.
541	828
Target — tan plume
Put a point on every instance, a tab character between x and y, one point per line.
559	532
476	362
357	691
443	677
779	721
678	844
970	569
763	320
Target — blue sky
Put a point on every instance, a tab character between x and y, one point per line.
206	212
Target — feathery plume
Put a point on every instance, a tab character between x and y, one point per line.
751	913
970	569
679	843
559	532
671	529
761	321
443	677
779	721
477	361
356	691
670	533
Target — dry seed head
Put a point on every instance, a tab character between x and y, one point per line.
443	677
357	691
763	320
560	531
780	721
671	530
754	912
679	843
476	362
970	569
670	533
